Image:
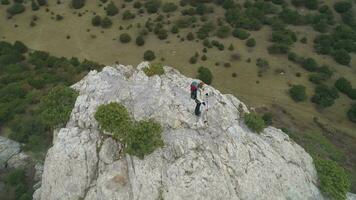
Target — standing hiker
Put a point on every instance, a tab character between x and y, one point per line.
199	98
194	90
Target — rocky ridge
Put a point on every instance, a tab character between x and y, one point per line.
219	160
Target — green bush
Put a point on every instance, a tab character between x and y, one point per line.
342	6
251	42
77	4
205	75
154	69
240	33
42	2
140	41
106	22
333	179
5	2
223	32
127	15
268	118
111	9
149	55
351	113
325	96
96	20
169	7
278	48
15	9
57	105
310	64
15	177
34	6
125	38
145	138
162	34
297	93
115	119
341	56
343	85
140	138
190	36
20	47
254	122
152	6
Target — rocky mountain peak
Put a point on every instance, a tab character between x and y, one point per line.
220	159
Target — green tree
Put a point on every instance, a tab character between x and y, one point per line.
111	9
140	41
223	32
169	7
106	22
205	75
297	93
341	56
34	5
15	9
77	4
311	4
342	6
96	20
240	33
351	113
268	118
254	122
20	47
56	106
190	36
334	181
343	85
42	2
149	55
152	6
310	64
127	15
251	42
325	96
125	38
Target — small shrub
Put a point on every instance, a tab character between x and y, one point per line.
254	122
193	60
223	32
310	64
152	6
127	15
251	42
34	6
333	179
149	55
342	6
20	47
297	93
5	2
125	38
140	41
154	69
205	75
325	96
42	2
190	36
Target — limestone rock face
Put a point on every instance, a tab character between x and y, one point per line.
220	159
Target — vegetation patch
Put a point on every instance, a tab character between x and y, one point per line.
334	181
205	75
139	138
254	122
154	69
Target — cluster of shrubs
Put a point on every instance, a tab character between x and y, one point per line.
297	93
103	22
282	39
16	182
149	55
140	138
337	44
25	80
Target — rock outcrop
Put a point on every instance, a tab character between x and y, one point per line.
222	159
11	155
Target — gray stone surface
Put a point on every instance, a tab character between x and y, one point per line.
219	160
11	155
